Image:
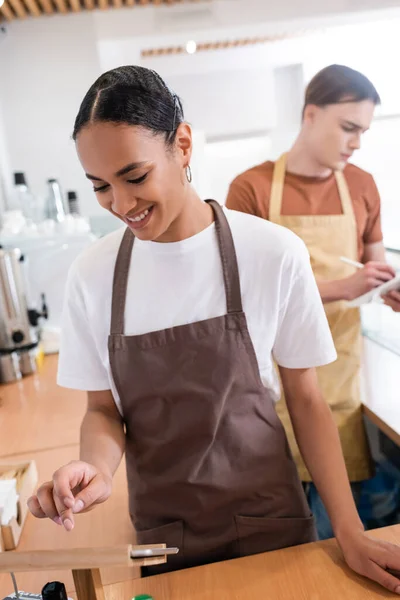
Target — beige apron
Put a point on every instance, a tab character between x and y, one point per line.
327	238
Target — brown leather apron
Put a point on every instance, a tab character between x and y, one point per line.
208	463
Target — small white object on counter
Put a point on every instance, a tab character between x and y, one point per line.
8	500
50	339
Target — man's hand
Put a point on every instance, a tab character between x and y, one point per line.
392	299
364	280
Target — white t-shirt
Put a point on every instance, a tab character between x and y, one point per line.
177	283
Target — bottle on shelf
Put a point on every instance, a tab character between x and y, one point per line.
73	203
55	209
24	200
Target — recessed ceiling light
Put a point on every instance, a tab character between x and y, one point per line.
191	46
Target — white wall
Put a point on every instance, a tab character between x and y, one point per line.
52	61
48	67
380	154
227	102
5	179
223	160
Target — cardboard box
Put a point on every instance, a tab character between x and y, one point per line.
26	485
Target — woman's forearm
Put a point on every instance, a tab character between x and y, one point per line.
102	441
319	443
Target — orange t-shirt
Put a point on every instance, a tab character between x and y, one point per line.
250	193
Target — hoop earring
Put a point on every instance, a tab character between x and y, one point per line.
189	174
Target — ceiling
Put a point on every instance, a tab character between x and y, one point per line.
22	9
226	44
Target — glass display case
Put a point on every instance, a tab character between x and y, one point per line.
381	325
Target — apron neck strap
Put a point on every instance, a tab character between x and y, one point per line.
229	267
344	193
120	283
228	258
278	181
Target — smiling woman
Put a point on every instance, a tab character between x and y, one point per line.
129	117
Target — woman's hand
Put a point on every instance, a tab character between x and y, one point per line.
77	487
372	558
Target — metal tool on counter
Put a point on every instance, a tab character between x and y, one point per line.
18	325
149	552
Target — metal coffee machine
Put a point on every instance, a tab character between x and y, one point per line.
18	325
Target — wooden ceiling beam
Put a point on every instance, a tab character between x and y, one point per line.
6	11
61	6
33	8
18	8
46	6
12	9
75	5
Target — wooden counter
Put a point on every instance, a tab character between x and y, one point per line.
36	414
310	572
41	421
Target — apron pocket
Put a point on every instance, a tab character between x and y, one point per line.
170	534
263	534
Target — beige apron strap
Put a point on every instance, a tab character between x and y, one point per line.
344	193
347	205
228	257
120	283
278	181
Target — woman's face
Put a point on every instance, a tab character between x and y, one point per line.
135	175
